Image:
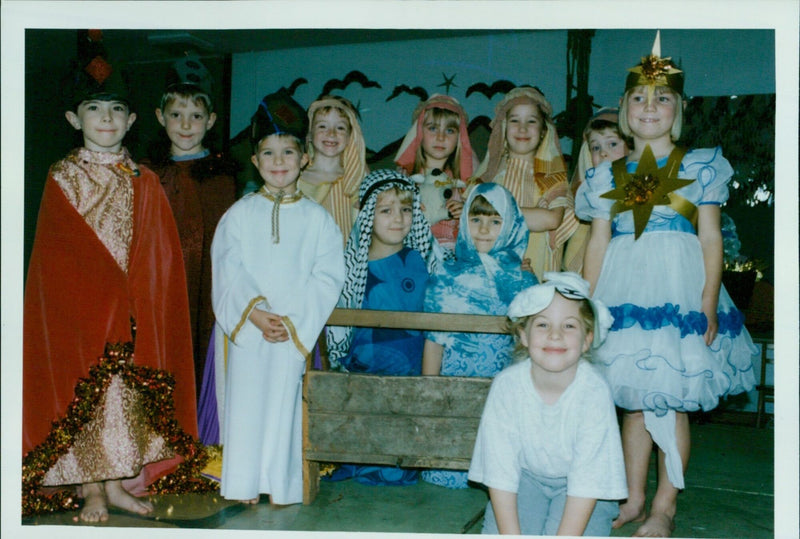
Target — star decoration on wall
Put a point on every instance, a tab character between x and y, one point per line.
647	187
448	82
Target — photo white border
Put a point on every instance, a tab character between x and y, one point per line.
780	15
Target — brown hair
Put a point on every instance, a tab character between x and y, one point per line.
449	118
189	92
481	206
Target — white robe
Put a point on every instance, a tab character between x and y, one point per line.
299	278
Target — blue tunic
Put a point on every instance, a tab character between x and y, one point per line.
394	283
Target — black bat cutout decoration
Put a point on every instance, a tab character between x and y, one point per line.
353	76
497	87
295	84
418	91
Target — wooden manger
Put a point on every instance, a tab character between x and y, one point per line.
409	421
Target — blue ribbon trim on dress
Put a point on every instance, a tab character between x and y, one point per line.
651	318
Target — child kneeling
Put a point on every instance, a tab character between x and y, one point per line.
548	446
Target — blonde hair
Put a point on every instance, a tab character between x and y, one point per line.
515	327
448	118
677	123
403	195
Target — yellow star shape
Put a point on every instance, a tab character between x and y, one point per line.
647	187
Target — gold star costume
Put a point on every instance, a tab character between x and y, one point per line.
653	274
650	186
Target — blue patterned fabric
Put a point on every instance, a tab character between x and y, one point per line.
476	283
628	314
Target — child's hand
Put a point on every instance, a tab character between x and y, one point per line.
526	265
270	324
454	207
711	315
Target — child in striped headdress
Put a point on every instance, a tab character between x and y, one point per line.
337	162
524	156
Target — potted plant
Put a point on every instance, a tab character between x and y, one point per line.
739	273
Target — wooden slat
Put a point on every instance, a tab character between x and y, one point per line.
471	323
399	439
436	396
389	460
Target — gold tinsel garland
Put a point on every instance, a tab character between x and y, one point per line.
156	387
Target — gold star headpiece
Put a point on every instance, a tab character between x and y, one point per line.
655	71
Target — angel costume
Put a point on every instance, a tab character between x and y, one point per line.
279	253
655	357
478	283
541	184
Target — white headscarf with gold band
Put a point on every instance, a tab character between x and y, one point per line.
541	185
339	196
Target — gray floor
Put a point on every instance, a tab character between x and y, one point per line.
729	494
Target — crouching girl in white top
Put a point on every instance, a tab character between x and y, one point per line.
548	445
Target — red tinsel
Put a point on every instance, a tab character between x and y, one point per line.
156	388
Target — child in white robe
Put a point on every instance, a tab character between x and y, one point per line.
278	269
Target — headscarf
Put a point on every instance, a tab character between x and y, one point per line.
406	155
356	253
576	245
501	265
354	160
337	197
585	155
548	159
548	176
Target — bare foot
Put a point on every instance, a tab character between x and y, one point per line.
254	501
95	505
656	525
629	512
119	497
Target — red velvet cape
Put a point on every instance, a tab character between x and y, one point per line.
77	299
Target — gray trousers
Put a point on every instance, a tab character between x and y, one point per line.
540	505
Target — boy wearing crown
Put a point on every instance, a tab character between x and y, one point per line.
106	326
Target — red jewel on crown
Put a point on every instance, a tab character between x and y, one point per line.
99	69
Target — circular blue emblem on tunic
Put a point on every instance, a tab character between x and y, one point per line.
408	285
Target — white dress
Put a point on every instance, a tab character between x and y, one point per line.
300	278
655	357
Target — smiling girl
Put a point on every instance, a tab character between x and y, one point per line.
337	161
482	279
655	258
548	445
524	156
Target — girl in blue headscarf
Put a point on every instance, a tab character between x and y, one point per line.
483	278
